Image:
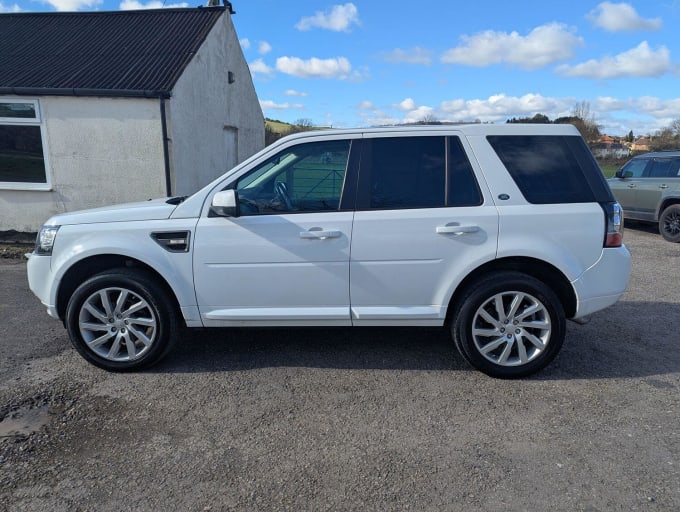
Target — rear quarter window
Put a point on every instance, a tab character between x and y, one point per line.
551	169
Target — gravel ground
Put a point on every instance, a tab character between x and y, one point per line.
336	419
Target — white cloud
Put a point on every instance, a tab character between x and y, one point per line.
366	105
338	19
130	5
259	67
544	45
9	8
338	67
264	48
415	55
500	107
245	43
270	105
418	114
292	92
72	5
406	105
639	61
621	17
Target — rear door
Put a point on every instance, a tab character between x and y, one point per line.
663	178
423	221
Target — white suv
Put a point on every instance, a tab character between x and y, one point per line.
498	232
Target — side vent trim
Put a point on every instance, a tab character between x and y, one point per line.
173	241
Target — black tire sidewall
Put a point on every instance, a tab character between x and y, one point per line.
139	283
475	295
662	220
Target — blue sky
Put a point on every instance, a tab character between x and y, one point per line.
363	62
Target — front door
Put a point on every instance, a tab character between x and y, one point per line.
285	259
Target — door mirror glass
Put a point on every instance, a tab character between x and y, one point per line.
224	204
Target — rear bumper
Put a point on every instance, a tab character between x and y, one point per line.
602	284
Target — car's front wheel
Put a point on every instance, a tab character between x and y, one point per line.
120	320
669	223
508	325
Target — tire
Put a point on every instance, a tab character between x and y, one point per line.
669	223
120	320
503	343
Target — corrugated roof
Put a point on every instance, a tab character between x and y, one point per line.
134	52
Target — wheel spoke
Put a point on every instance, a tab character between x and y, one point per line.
104	296
492	345
122	297
537	342
503	359
94	327
514	305
535	324
530	310
95	312
500	309
488	318
131	348
521	351
140	336
102	339
115	348
134	308
486	333
146	322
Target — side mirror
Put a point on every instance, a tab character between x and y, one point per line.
225	204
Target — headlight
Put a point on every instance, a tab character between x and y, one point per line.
45	240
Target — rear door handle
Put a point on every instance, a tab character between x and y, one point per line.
457	229
663	186
631	185
320	234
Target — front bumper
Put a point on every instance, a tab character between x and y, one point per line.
41	282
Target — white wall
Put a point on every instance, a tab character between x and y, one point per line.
101	151
205	109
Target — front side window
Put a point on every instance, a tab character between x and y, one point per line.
304	178
22	151
635	168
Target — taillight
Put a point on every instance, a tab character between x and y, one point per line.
613	235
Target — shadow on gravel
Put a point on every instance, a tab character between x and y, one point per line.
645	227
631	339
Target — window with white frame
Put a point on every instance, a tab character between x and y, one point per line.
23	162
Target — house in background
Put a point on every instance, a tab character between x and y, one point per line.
106	107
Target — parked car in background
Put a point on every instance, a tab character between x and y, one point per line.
498	232
648	189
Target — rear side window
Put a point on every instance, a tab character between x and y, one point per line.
416	172
408	172
665	168
550	169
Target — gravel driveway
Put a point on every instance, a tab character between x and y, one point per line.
365	419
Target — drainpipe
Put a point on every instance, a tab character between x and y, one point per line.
166	152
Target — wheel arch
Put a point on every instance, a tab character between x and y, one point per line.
539	269
668	201
82	270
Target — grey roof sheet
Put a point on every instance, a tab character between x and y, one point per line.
132	51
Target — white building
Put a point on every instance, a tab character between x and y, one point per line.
106	107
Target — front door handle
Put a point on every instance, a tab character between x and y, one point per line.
320	234
663	186
457	229
631	185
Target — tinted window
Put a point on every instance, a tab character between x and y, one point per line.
635	168
463	189
665	168
547	169
407	172
304	178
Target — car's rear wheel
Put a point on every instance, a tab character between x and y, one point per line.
508	325
120	320
669	223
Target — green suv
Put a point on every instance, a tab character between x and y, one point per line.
648	189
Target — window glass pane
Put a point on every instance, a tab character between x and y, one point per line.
544	168
663	168
17	110
408	172
304	178
21	154
636	167
463	188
